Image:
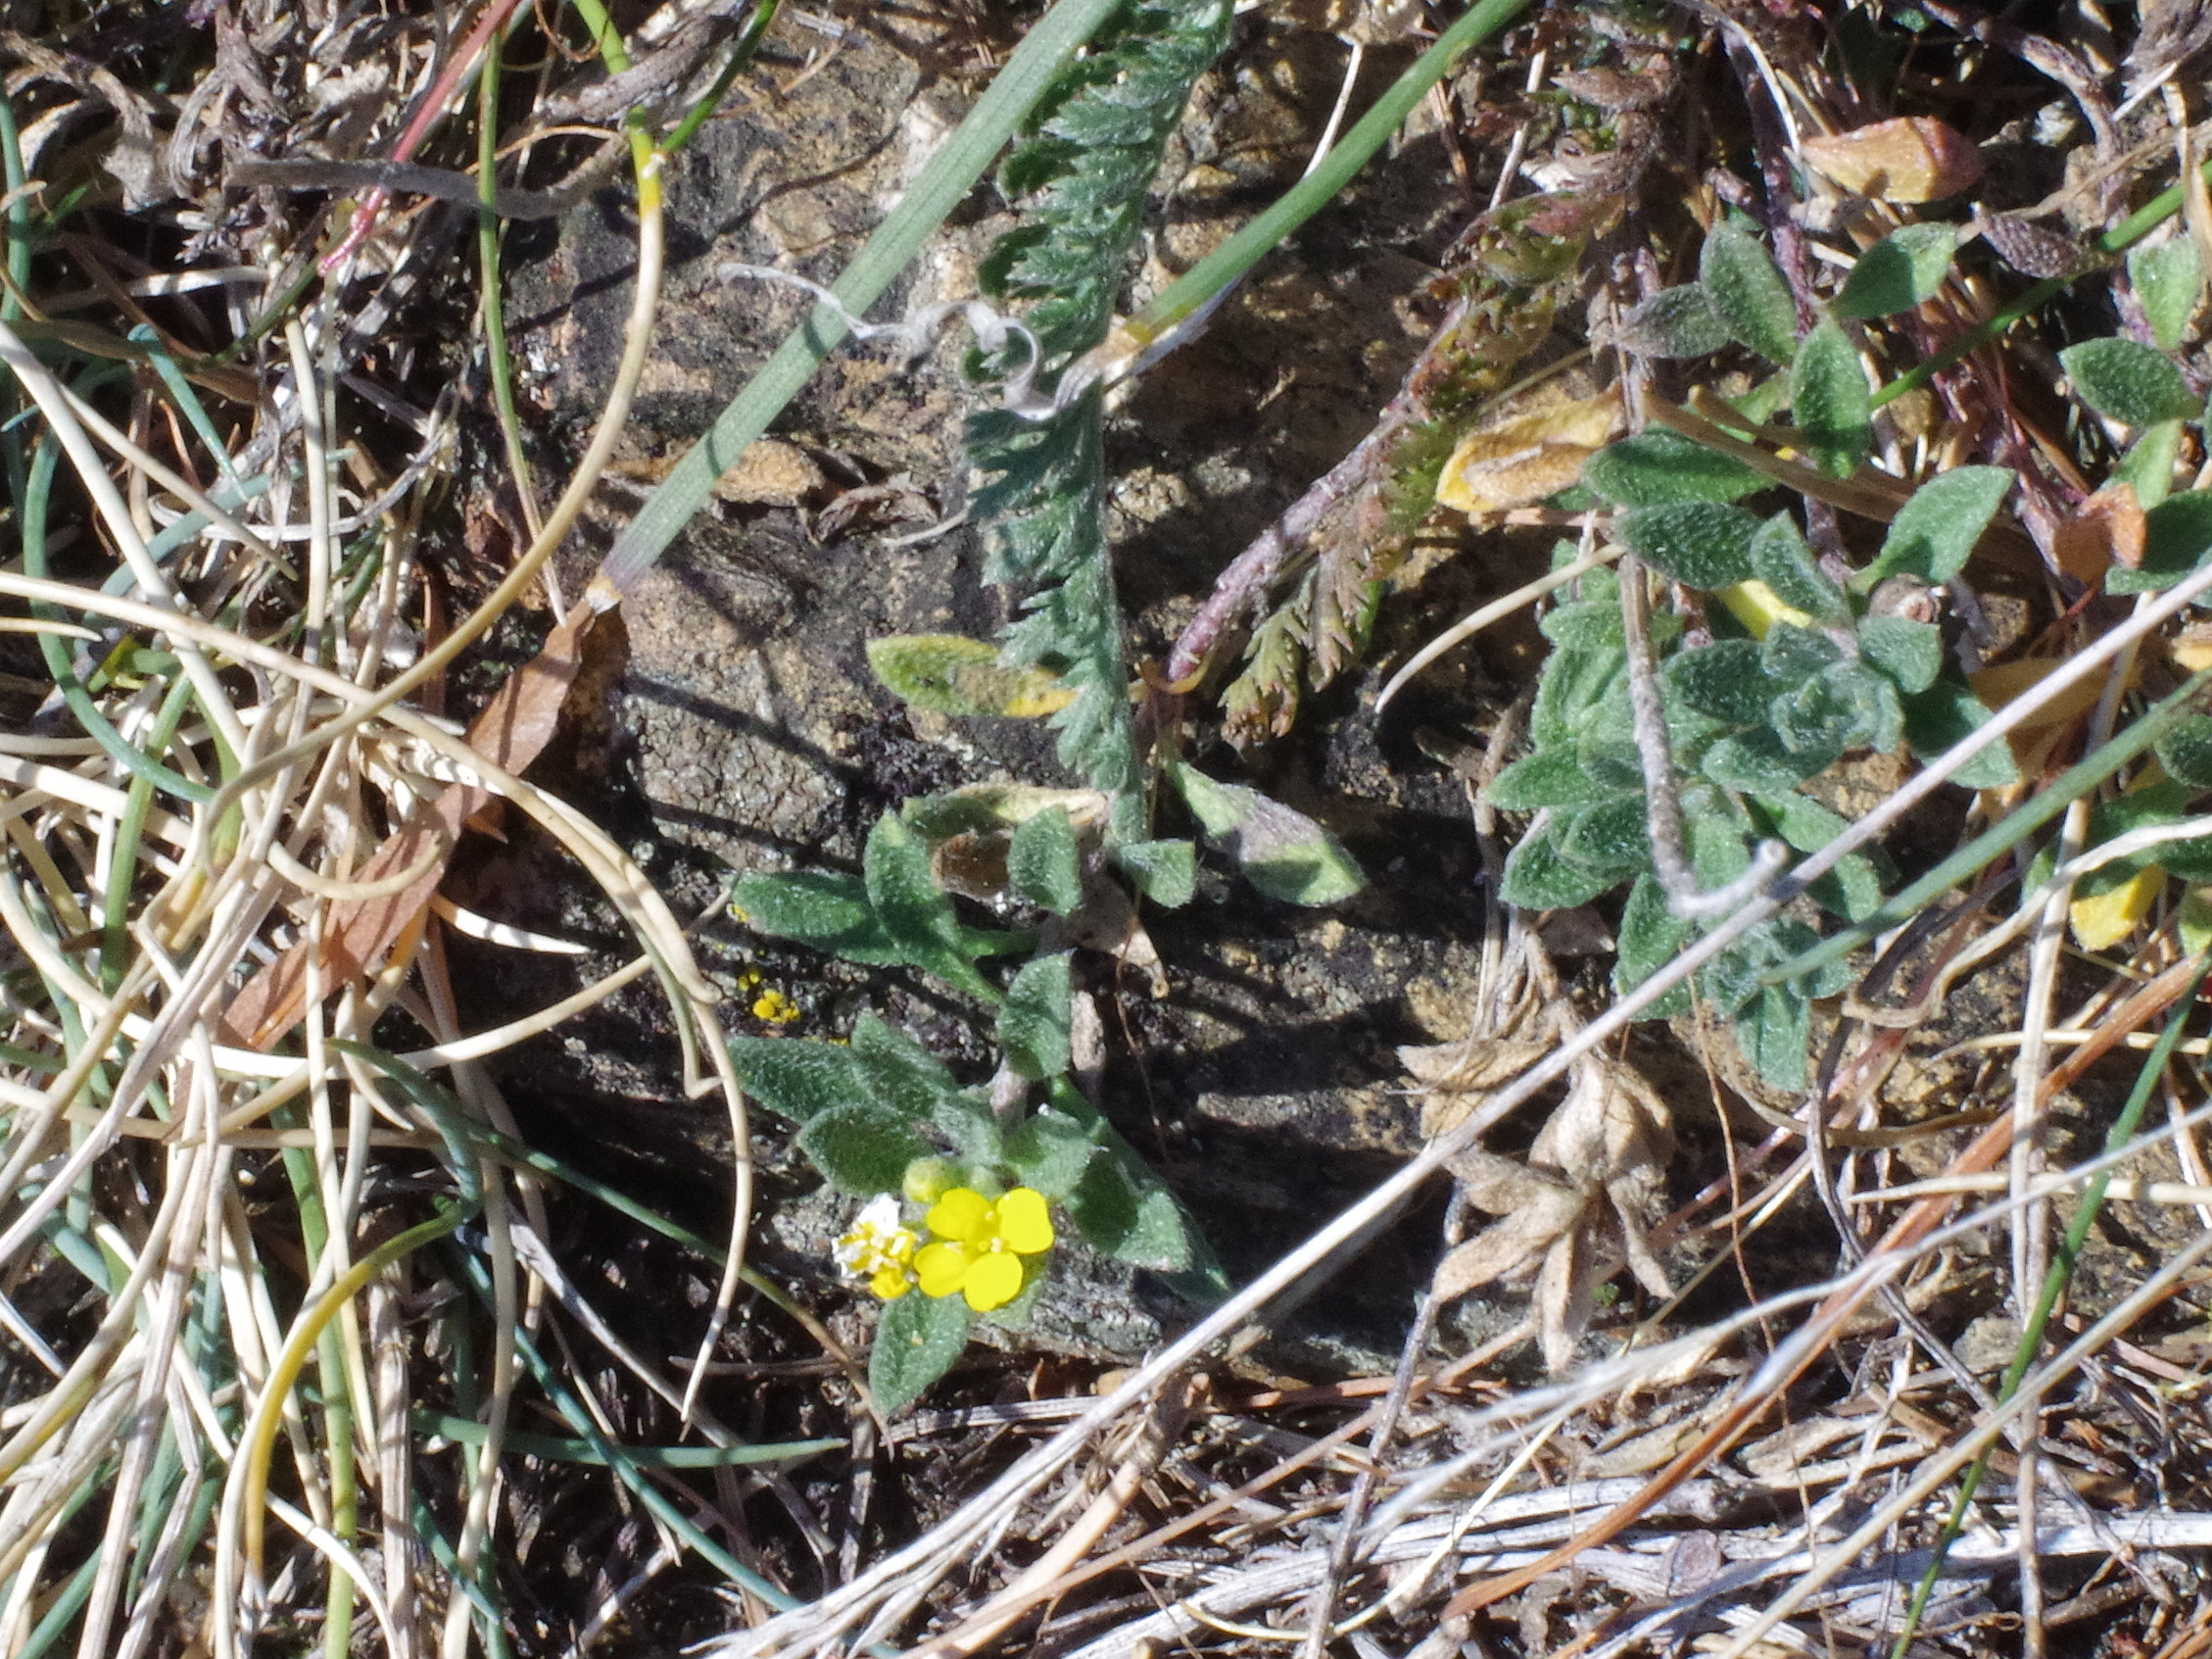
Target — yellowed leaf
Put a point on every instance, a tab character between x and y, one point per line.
1911	159
1759	608
1998	685
2103	921
1520	462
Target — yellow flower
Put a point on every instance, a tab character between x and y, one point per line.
879	1250
980	1245
773	1008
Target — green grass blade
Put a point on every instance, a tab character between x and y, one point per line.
1213	273
951	173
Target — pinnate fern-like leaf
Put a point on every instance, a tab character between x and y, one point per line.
1080	176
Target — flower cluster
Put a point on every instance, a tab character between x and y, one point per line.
879	1248
977	1249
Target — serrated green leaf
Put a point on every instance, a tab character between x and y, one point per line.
1936	528
1723	679
1050	1152
862	1150
1674	322
1911	653
1901	270
1781	559
2169	280
918	1340
1944	714
2127	382
2177	539
795	1079
950	675
1833	405
1539	878
2186	750
1044	864
1163	871
1747	295
1283	853
1700	543
1551	778
1774	1033
1034	1021
1658	467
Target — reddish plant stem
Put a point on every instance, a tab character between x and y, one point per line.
488	21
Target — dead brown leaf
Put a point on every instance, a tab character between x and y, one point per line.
1912	159
358	934
1575	1211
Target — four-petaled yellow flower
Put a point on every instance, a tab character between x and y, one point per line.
879	1248
980	1245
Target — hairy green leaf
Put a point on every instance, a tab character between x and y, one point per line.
1674	322
1651	937
1050	1152
918	1340
1757	761
1747	295
1700	543
1540	877
1832	402
1944	714
1781	559
1551	778
895	1071
1724	679
1612	839
1657	467
1043	862
2186	750
794	1078
2127	382
2147	466
1163	871
1936	528
1911	653
1283	852
1904	268
828	911
2169	280
1774	1033
1035	1020
862	1150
